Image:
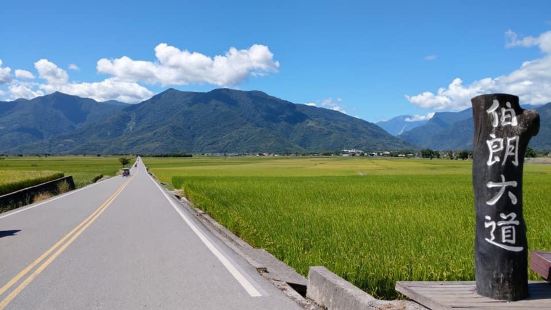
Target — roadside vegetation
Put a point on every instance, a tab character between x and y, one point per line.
13	180
124	161
372	221
84	169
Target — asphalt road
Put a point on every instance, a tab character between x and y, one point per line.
122	243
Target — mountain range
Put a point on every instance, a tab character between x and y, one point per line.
444	131
28	121
222	120
402	123
454	131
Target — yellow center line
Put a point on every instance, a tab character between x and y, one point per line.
60	246
49	251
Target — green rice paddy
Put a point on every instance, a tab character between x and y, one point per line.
372	221
83	168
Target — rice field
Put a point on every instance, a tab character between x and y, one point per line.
372	221
10	176
83	168
12	180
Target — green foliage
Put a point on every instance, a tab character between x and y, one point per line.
530	153
428	153
372	221
463	155
63	187
177	181
124	161
8	187
97	178
83	168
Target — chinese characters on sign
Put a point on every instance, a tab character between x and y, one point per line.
502	150
502	130
508	231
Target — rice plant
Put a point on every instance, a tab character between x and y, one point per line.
373	222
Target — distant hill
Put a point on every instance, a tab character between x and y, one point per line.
222	120
27	121
445	130
400	124
543	140
454	131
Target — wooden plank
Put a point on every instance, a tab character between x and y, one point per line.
403	288
462	295
540	263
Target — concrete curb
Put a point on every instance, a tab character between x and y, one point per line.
333	292
34	205
25	196
325	290
262	260
278	273
285	278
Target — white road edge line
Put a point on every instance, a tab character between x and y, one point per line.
19	210
245	283
22	209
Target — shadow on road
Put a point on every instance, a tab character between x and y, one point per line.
8	233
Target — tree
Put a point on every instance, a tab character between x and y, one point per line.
124	161
428	153
530	153
463	155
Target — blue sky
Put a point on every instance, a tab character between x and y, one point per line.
372	59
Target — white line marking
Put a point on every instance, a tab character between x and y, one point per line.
245	283
19	210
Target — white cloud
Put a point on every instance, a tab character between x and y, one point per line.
418	118
456	96
23	74
172	67
23	90
5	72
329	103
531	82
50	72
57	79
430	57
181	67
109	89
543	41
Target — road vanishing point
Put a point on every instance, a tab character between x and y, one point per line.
122	243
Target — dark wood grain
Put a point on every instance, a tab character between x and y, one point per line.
501	250
462	295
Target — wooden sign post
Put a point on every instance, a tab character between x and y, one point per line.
502	130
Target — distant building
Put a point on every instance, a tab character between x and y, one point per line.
352	152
